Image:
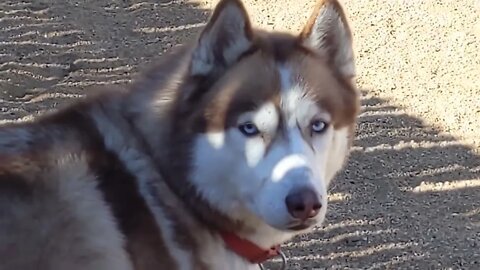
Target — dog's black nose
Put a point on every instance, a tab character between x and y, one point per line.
303	203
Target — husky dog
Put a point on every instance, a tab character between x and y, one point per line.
209	160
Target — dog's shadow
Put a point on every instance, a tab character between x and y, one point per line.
408	198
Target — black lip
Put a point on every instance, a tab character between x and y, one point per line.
300	227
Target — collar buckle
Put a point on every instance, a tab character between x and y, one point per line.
284	261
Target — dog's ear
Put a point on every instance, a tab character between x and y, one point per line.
227	36
328	31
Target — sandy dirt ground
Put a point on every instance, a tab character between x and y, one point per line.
410	196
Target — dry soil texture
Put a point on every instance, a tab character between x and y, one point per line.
410	196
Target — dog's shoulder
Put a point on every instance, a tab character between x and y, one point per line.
50	171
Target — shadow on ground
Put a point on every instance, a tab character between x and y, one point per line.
54	50
409	197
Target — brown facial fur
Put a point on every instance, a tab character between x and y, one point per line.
244	88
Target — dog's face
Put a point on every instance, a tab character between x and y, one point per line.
277	116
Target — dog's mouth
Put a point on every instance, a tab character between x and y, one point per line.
301	226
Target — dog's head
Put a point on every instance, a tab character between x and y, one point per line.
272	116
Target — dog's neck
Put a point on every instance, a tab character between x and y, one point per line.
246	247
251	242
150	109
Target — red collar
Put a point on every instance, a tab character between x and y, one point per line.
249	250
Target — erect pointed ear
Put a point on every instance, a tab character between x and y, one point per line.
327	30
227	35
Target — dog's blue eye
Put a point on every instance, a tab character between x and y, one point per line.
319	126
248	129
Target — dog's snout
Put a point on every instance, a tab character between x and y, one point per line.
303	203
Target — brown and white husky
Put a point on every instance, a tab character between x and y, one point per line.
210	160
